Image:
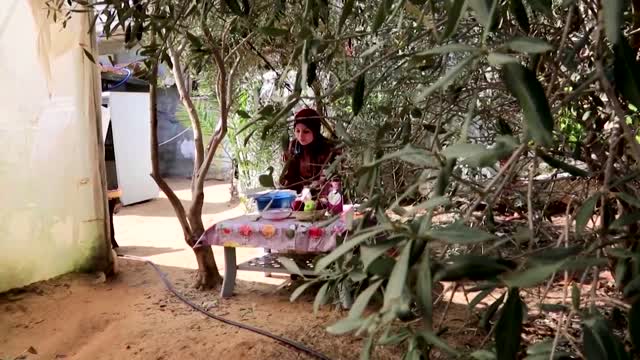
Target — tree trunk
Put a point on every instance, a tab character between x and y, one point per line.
208	276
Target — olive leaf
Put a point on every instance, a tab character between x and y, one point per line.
321	297
633	201
458	233
344	326
585	213
358	95
445	80
526	88
449	48
528	45
299	290
368	254
347	9
482	11
381	15
349	245
424	287
498	59
626	71
290	265
533	275
455	15
599	342
613	19
551	161
359	306
398	277
516	7
542	6
273	32
509	327
88	55
431	338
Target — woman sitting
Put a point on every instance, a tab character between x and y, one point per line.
308	154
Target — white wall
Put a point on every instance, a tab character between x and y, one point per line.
52	209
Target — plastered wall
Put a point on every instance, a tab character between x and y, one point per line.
52	209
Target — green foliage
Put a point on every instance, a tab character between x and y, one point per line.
207	111
254	155
434	113
509	327
522	83
599	342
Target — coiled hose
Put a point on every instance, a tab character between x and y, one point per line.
124	80
296	345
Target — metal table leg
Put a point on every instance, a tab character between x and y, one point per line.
267	274
230	269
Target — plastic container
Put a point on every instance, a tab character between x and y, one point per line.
275	200
276	214
334	199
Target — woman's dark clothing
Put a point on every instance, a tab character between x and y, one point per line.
304	164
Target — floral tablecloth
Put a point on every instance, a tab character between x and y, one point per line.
287	234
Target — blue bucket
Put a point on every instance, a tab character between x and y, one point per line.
275	200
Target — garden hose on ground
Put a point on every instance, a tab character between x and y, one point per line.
297	346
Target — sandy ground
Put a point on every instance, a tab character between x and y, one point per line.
80	316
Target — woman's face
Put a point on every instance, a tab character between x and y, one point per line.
303	134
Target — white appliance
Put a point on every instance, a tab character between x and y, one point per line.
128	113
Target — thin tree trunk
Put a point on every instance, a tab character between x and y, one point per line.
208	274
185	98
195	211
197	194
155	167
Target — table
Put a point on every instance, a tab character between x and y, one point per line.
114	194
287	235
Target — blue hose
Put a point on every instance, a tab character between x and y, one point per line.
126	78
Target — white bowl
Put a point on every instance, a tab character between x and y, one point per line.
276	214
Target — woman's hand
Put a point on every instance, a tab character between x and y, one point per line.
321	181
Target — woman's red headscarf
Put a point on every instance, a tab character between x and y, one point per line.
309	118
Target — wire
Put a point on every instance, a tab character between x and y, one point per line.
296	345
175	137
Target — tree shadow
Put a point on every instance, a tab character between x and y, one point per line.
161	207
146	250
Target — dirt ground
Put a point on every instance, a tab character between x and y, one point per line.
79	316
